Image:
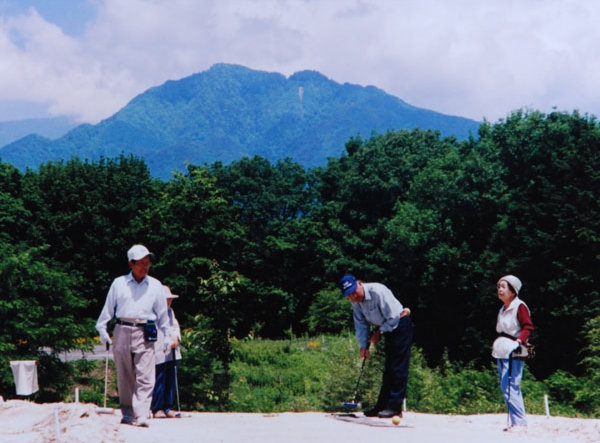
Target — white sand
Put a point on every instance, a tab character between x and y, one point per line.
27	422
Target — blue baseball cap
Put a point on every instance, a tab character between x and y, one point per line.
348	284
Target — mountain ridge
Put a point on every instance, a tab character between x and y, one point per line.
51	128
228	112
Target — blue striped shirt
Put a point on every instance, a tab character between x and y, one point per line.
379	308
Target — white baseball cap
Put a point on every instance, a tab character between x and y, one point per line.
137	252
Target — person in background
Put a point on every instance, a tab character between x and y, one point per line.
514	326
374	304
138	302
165	387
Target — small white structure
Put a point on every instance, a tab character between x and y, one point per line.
25	374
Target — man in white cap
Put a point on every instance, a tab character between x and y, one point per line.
138	302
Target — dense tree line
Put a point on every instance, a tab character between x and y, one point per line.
255	248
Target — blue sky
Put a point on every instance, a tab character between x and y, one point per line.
70	15
86	59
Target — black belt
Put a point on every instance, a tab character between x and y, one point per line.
128	323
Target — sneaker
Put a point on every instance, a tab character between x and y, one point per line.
514	429
371	413
389	413
141	422
173	414
160	414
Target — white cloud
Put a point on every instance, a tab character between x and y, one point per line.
463	57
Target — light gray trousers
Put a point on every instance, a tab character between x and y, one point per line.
134	359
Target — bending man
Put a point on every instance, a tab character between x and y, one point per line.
374	304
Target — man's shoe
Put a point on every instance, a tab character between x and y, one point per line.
160	414
126	420
389	413
515	429
141	422
371	413
172	414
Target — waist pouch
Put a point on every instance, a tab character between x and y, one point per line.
150	332
525	352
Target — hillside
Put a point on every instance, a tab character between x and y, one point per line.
228	112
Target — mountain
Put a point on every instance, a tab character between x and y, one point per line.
46	127
230	111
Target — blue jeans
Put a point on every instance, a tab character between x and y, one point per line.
513	398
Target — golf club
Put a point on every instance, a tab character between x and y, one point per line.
105	410
352	404
176	383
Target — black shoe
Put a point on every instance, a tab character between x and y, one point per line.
371	413
389	413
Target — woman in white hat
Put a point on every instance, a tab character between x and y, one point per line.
165	386
514	327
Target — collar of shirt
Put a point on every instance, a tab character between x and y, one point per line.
367	295
130	279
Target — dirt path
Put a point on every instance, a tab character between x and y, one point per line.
26	422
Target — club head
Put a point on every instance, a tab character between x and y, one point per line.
351	405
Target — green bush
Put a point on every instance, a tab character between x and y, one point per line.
89	377
452	388
321	373
318	374
273	376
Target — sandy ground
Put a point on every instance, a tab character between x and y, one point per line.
26	422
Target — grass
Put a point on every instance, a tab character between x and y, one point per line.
320	373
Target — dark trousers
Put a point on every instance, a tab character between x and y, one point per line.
397	348
164	387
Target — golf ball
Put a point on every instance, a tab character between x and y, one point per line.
396	420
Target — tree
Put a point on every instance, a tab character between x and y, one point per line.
548	233
40	314
361	189
218	293
438	243
274	203
188	225
86	212
15	219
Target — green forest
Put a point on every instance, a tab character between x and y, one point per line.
254	249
